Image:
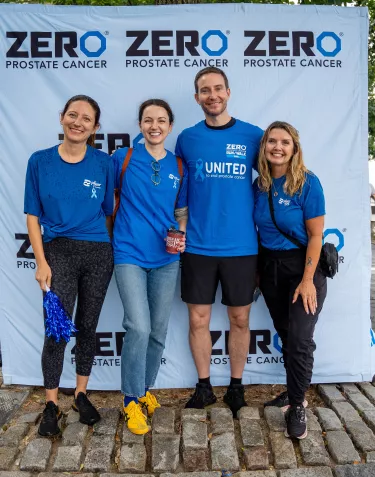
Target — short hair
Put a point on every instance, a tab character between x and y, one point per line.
155	102
93	104
207	71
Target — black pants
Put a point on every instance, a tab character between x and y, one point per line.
83	270
280	274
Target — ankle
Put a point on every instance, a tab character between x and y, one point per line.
235	381
204	380
129	399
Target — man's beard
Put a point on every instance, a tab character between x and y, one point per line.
216	113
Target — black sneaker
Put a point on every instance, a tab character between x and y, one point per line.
48	426
203	396
282	401
296	422
235	398
87	412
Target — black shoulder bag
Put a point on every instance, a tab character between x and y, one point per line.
329	257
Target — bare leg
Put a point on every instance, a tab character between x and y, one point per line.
51	395
239	338
81	384
200	338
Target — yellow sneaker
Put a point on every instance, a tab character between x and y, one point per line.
135	419
149	402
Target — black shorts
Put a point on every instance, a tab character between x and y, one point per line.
201	275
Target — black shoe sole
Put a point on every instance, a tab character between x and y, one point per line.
83	421
212	401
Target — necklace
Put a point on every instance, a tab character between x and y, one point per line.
277	189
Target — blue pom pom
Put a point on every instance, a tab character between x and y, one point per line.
59	324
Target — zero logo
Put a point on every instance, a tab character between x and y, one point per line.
338	234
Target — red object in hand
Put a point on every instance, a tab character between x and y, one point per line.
173	240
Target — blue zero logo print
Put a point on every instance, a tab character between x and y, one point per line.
324	51
339	235
221	36
99	51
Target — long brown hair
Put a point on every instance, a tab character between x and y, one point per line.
296	172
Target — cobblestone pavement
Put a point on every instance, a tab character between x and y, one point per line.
340	442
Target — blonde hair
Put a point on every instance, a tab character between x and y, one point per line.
296	172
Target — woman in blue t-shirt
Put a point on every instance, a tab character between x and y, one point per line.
69	192
152	199
291	279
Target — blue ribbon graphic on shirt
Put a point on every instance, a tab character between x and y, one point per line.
93	193
199	170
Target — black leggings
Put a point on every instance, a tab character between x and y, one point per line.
280	274
80	269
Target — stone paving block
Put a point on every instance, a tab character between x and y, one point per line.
10	401
275	419
313	449
370	457
163	420
36	455
349	388
257	473
7	456
369	418
99	453
14	435
194	435
221	420
165	452
362	436
360	402
193	415
72	417
341	447
346	412
330	393
65	474
195	460
328	419
312	421
256	458
224	453
306	472
283	451
368	390
30	418
74	434
132	458
107	425
15	474
249	413
192	474
365	470
130	438
68	459
120	475
251	433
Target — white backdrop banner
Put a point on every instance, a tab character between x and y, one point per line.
305	65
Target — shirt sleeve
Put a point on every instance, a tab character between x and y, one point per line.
108	203
178	149
258	134
314	203
118	159
32	203
182	193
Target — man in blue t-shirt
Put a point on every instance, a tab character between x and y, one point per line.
222	245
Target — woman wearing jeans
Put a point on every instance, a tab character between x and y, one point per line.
152	199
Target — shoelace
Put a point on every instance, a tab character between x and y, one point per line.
50	412
299	413
135	412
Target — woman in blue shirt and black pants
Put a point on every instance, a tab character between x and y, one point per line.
69	191
289	211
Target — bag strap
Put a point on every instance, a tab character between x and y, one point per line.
289	237
118	190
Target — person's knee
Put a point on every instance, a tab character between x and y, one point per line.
239	317
199	317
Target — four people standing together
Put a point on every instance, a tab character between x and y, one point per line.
206	192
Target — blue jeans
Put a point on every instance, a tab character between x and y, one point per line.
146	295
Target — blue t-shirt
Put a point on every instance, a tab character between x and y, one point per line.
220	195
71	200
291	212
146	210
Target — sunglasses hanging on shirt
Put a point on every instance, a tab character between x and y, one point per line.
155	176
